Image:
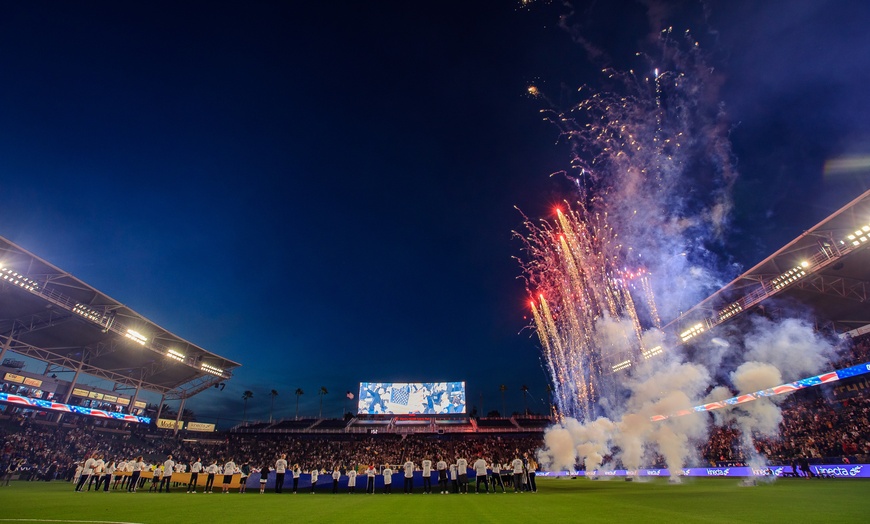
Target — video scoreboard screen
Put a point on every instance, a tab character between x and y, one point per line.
414	398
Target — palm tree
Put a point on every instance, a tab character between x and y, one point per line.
272	394
245	396
525	390
321	393
503	388
299	392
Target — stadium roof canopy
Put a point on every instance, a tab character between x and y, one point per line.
827	268
49	315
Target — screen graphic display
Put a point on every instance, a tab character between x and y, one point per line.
415	398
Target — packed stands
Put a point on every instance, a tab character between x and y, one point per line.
826	424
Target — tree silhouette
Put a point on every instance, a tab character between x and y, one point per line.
321	393
272	394
299	393
245	396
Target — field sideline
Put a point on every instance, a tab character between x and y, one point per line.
557	500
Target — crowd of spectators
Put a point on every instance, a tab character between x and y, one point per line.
817	424
38	448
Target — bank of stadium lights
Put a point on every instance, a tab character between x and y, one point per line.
136	336
175	355
649	353
625	364
17	279
730	311
692	332
88	313
211	369
860	236
790	276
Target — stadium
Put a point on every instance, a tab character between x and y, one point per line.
50	424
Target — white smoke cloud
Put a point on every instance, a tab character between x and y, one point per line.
790	345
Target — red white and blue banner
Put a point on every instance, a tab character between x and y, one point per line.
40	404
824	378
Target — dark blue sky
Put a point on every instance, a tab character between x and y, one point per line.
324	191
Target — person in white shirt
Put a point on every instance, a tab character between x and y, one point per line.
78	473
107	475
195	468
156	476
336	475
179	468
462	472
120	468
370	479
388	479
409	477
212	470
297	472
454	480
517	465
480	475
427	476
229	470
168	468
280	471
531	467
87	471
496	476
97	476
442	475
351	480
314	474
135	472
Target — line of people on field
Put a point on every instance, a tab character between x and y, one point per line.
95	471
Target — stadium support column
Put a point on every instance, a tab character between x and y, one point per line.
160	408
73	382
6	346
72	385
178	416
133	400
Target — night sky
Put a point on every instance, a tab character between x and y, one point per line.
325	191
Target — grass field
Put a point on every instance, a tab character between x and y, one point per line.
557	500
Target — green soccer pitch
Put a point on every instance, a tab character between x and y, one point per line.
557	500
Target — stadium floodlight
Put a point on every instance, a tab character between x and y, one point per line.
730	311
88	313
625	364
211	369
652	352
790	276
692	332
14	278
136	336
175	355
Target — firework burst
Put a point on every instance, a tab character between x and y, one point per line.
652	170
